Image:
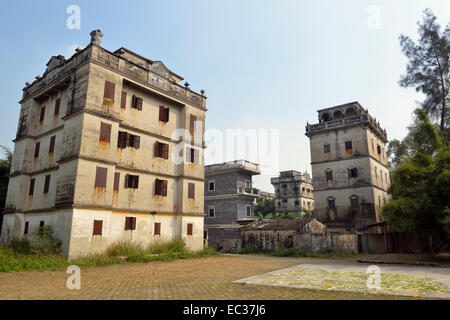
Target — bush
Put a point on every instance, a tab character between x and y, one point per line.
44	241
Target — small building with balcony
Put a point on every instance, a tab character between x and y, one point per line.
293	192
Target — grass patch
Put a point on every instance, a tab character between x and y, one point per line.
20	256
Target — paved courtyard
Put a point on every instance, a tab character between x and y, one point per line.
203	278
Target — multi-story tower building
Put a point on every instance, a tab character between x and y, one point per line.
293	192
229	194
99	155
349	168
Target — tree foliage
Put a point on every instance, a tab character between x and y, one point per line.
5	167
428	69
420	186
264	207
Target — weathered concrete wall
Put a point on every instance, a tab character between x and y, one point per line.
269	239
307	242
343	242
225	239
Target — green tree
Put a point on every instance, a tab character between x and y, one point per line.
5	167
264	207
420	186
428	69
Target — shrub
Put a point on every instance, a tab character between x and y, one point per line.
44	241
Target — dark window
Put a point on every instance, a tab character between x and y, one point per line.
41	227
163	114
157	228
191	190
131	181
123	100
297	203
25	231
212	212
284	200
128	140
326	148
122	140
31	190
303	189
249	211
41	117
331	203
98	228
57	103
192	155
109	91
51	147
105	132
308	190
136	103
36	149
192	122
348	145
378	149
352	173
279	204
190	228
161	150
130	223
161	187
47	183
329	175
116	181
100	177
211	186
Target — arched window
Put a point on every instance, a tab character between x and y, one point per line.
354	203
331	208
337	114
325	117
329	175
350	112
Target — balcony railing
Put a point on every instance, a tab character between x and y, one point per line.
249	191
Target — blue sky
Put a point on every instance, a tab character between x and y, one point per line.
263	64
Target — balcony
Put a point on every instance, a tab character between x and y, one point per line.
333	124
249	192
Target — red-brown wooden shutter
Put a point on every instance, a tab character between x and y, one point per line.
36	149
137	142
161	113
51	148
192	122
127	179
127	141
123	101
188	154
109	90
105	132
133	223
166	151
157	228
41	117
136	182
127	223
47	183
98	227
189	229
116	181
25	232
158	187
191	190
31	190
139	103
57	103
122	140
196	156
164	191
100	177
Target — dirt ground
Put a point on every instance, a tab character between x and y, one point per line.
204	278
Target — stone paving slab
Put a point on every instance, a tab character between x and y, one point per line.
407	281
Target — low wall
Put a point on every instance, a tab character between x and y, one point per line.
225	239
